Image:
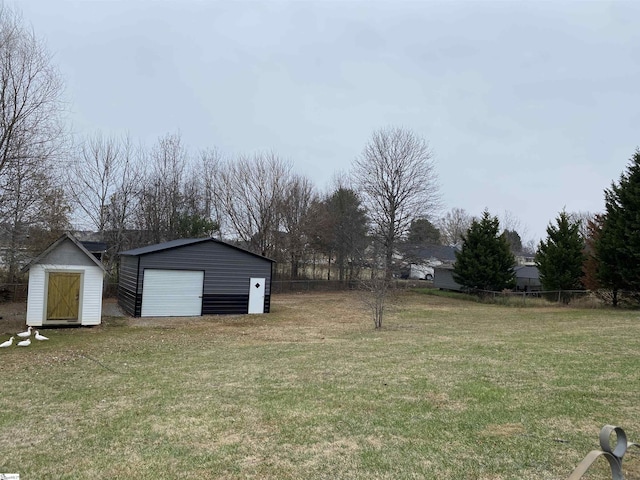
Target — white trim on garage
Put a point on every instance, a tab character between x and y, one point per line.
172	293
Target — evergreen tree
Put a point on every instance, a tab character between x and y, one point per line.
618	245
560	257
514	240
591	268
347	231
423	232
485	261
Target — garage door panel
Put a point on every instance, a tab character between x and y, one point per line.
172	293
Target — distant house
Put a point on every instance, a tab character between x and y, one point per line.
192	277
527	278
431	255
97	249
423	259
443	279
65	285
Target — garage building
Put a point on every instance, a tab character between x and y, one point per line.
191	277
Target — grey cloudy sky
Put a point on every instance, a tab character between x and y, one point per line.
529	107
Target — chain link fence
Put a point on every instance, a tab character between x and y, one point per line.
13	292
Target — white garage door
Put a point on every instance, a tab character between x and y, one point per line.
172	293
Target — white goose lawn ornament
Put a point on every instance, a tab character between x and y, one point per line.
25	343
40	337
8	343
25	334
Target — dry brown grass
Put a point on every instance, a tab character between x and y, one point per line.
447	389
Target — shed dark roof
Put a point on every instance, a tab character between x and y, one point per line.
158	247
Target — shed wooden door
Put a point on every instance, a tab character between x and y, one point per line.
63	296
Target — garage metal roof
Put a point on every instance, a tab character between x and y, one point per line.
184	242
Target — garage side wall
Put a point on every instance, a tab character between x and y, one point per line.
127	286
227	272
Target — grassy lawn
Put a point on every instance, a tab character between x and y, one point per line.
448	389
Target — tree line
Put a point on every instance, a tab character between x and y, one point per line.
131	195
600	252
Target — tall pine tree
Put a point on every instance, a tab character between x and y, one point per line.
618	245
485	261
560	257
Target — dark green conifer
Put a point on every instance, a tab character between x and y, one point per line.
485	261
618	245
560	257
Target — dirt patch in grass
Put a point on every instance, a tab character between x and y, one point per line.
504	430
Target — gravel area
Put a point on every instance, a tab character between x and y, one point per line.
110	308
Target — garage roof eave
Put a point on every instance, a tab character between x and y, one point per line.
184	242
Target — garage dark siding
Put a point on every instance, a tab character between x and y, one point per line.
127	284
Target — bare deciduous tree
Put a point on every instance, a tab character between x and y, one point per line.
161	194
29	200
454	225
583	218
123	203
210	164
32	137
397	179
31	110
250	192
95	175
294	207
377	294
103	180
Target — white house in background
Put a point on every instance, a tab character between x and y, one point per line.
65	285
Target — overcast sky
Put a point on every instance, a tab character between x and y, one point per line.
529	107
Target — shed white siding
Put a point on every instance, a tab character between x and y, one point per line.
90	309
35	297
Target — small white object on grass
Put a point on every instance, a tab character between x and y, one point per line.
25	334
8	343
40	337
25	343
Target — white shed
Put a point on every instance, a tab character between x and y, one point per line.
65	285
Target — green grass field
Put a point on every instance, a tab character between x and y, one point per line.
448	389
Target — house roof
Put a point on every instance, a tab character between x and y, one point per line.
95	247
527	271
441	252
54	245
158	247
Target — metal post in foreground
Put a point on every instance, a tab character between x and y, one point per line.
612	454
